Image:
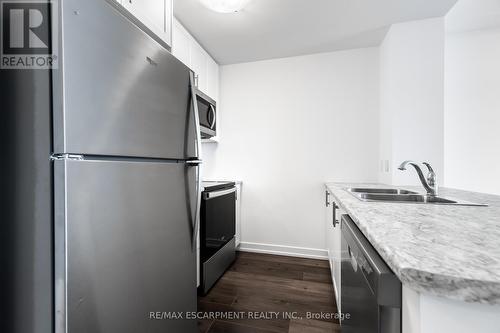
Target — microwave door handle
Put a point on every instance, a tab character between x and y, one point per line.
212	117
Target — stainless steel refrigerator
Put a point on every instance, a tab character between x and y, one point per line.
115	188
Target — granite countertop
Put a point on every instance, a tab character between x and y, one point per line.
441	250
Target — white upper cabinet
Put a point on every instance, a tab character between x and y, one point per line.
154	14
212	78
199	66
180	43
191	53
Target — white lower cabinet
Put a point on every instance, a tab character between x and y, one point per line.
328	231
333	242
238	214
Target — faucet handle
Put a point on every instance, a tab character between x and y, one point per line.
429	167
431	177
430	183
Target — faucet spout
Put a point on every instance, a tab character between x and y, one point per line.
430	187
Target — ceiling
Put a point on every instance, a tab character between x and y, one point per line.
268	29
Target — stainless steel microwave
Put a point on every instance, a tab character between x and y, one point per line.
207	110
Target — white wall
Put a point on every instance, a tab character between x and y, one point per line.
472	96
287	126
411	98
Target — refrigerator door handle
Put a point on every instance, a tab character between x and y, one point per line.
197	216
196	222
196	116
196	162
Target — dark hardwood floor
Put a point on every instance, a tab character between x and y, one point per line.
284	289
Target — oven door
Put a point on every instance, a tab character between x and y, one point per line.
218	214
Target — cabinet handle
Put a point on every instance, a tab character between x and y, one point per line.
196	79
327	202
335	221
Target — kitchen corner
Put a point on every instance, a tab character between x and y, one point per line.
130	128
442	254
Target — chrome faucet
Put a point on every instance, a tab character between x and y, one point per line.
429	183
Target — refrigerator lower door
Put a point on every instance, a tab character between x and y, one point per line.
118	92
123	246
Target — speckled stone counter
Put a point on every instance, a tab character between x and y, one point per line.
447	251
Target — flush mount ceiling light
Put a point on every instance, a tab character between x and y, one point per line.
225	6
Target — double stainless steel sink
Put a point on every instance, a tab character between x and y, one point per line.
403	196
390	191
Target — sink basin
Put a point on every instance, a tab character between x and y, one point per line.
380	190
397	195
404	198
410	198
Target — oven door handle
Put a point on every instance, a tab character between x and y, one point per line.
215	194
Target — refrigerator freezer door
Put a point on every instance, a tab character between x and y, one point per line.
123	245
118	92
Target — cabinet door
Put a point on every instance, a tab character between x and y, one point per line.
238	215
328	229
155	14
212	78
180	43
337	251
333	238
199	65
169	21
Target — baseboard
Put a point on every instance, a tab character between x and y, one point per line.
283	250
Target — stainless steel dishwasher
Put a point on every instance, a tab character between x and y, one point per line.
371	293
